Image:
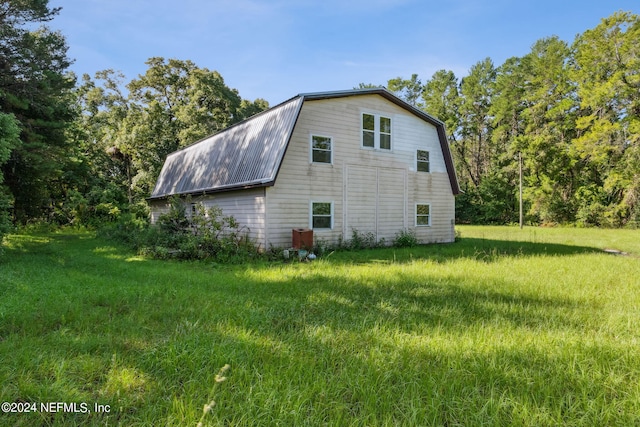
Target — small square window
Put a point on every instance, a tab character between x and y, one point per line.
321	149
321	215
423	161
423	215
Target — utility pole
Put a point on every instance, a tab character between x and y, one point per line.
520	173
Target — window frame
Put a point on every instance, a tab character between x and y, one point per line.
312	149
192	211
311	215
381	133
363	130
418	215
418	161
377	131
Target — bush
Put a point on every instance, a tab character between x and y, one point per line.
360	240
405	239
205	234
129	229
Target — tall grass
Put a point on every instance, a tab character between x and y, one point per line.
504	327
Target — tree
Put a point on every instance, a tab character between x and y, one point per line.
35	89
196	100
251	108
442	100
549	118
9	138
506	111
410	90
606	67
475	125
367	86
175	104
128	135
573	113
101	134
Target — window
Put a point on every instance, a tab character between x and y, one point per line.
423	215
368	130
321	149
423	161
321	215
385	133
376	131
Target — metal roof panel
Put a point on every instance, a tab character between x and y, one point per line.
244	154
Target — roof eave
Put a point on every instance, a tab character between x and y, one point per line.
208	191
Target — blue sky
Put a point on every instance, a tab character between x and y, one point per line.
275	49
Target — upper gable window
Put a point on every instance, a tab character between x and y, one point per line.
321	149
423	161
385	133
376	131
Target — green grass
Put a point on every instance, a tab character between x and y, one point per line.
505	327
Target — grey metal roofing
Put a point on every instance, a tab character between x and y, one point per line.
245	155
249	154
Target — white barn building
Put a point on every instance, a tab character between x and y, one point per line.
330	161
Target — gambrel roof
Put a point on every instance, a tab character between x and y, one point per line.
249	154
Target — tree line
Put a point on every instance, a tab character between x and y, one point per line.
88	150
571	112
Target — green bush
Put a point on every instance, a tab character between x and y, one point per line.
129	229
405	239
205	234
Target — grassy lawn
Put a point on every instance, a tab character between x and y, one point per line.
505	327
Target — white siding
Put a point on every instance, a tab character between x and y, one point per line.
371	190
246	206
158	207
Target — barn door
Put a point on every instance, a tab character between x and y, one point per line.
375	201
361	200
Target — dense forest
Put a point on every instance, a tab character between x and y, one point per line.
87	150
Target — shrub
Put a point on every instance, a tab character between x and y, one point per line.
359	240
405	239
129	229
205	234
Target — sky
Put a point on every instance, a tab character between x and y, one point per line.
276	49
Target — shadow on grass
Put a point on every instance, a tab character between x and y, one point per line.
313	294
309	347
480	249
405	305
486	250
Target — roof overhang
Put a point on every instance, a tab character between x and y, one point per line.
208	191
